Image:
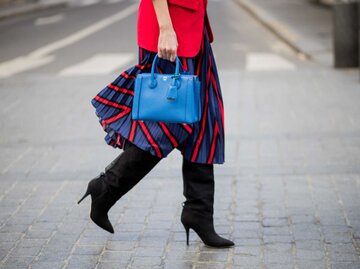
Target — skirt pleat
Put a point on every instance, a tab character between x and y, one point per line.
200	142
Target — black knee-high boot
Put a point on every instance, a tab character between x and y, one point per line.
120	176
198	209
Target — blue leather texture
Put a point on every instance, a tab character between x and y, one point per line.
172	98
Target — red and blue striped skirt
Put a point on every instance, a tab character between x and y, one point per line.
200	142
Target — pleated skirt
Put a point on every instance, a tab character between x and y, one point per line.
200	142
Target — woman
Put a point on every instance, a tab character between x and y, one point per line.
170	28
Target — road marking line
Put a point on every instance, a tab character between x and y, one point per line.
39	56
113	1
48	20
100	64
77	36
267	62
23	63
83	3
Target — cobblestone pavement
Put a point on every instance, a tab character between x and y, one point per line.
288	195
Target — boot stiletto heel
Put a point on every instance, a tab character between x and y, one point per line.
187	229
86	194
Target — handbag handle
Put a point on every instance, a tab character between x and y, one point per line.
177	66
175	77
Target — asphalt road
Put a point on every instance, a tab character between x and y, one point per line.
236	35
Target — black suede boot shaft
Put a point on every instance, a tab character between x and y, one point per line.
120	176
198	209
199	187
123	173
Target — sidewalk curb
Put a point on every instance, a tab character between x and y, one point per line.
27	8
274	25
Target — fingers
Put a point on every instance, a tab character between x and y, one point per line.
167	54
167	45
172	56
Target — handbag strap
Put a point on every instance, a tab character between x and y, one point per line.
177	67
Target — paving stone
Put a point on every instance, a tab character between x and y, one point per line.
276	257
209	266
344	257
278	239
120	245
170	264
152	242
270	222
248	242
305	264
10	237
251	261
276	231
304	254
57	248
28	251
128	236
93	241
247	250
47	265
39	234
14	228
248	225
296	219
338	239
5	247
248	217
309	244
149	252
307	235
280	266
50	256
88	250
180	246
341	248
240	234
83	261
213	256
120	256
18	261
345	265
109	265
146	261
280	247
181	255
25	242
332	221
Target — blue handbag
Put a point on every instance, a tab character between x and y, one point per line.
173	98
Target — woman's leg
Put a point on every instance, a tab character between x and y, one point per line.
198	209
120	176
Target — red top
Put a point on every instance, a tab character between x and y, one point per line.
187	17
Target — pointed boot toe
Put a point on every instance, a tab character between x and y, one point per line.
103	222
101	202
220	242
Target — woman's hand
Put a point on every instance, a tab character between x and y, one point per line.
167	45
